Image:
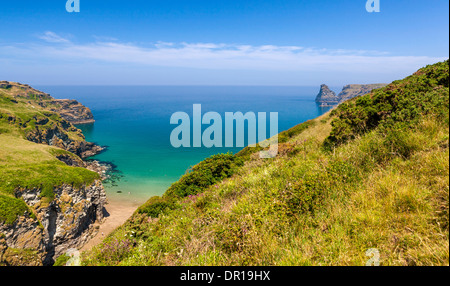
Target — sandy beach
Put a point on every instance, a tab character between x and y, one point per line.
118	212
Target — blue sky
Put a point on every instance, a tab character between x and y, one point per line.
226	42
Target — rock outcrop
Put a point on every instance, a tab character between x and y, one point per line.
69	109
55	126
93	165
56	136
326	96
353	90
22	243
68	221
72	111
70	215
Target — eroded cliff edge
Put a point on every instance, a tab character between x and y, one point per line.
327	97
354	90
49	199
51	228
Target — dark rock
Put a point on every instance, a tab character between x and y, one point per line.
72	111
70	160
66	222
326	96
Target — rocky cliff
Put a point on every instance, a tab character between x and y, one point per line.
326	96
50	199
68	221
353	90
69	109
72	111
56	136
48	120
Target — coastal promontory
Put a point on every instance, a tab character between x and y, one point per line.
327	97
50	200
354	90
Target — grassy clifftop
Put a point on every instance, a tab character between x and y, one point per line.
25	119
373	173
28	111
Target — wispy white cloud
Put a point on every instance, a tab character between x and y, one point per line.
271	59
52	37
104	38
222	56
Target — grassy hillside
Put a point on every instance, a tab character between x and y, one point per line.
27	110
25	164
373	173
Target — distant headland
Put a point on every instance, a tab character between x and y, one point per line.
327	97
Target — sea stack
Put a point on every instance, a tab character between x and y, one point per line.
326	96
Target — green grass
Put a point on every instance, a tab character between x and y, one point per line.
25	164
11	209
28	165
399	105
62	260
25	114
377	177
283	137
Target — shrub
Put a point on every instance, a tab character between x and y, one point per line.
283	137
406	101
204	174
307	195
156	206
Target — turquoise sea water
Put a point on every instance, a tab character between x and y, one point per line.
134	122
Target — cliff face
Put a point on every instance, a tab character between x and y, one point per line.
48	120
68	221
72	111
353	90
56	136
50	199
326	96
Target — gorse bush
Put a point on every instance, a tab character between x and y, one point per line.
156	206
283	137
402	103
204	174
306	195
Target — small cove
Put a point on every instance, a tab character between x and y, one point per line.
134	123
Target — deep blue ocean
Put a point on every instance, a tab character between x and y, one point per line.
134	122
